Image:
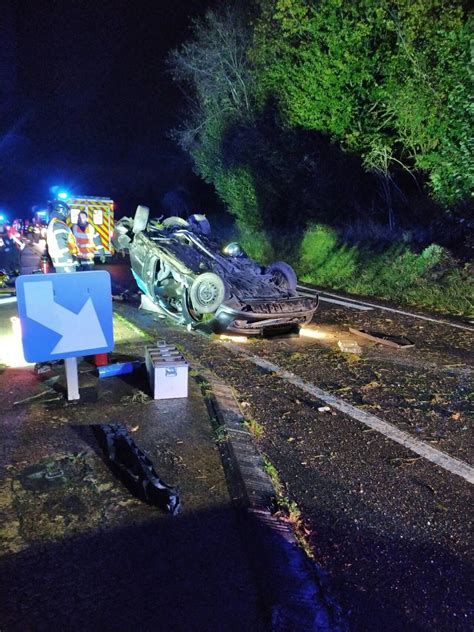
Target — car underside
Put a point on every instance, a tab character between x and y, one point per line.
187	277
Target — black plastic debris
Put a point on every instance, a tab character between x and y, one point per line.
134	468
125	296
396	342
286	330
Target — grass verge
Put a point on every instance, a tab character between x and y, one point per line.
378	266
431	278
124	321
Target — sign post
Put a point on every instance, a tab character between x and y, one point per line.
72	378
64	316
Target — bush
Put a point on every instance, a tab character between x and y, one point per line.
256	244
321	252
430	279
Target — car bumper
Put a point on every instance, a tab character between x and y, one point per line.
258	316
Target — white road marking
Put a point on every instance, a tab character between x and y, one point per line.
8	299
362	308
449	463
323	295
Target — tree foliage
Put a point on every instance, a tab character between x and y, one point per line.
212	68
285	99
388	79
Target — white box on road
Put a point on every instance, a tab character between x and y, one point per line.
167	372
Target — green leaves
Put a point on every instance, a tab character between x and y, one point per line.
376	74
385	80
432	278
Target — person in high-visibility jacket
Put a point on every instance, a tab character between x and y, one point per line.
62	247
88	242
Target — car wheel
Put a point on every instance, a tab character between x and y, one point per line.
206	293
283	275
174	222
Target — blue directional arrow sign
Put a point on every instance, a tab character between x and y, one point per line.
65	315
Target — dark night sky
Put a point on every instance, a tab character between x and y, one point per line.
86	100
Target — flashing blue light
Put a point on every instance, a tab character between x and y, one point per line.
41	213
63	195
2	218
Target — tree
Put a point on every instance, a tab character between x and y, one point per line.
430	93
284	102
389	80
213	70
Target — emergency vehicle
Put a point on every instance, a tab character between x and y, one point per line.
100	214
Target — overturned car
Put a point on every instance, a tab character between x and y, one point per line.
187	277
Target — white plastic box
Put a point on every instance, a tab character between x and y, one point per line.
167	371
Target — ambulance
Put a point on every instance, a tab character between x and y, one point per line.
100	213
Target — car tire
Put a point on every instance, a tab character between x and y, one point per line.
206	293
141	219
175	222
283	275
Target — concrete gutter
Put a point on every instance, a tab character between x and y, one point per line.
289	583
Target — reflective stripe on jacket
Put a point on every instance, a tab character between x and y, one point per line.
61	243
88	241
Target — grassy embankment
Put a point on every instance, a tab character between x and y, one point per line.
429	278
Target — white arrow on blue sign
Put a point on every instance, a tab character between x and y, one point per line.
65	315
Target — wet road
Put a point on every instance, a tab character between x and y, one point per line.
77	550
390	528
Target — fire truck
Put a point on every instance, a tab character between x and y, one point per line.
100	213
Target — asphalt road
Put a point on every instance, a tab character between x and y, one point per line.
78	551
389	527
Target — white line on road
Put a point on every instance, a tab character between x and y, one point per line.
440	321
449	463
8	299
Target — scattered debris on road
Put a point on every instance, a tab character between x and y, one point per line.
137	397
134	468
32	397
349	346
119	368
42	367
396	342
125	296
